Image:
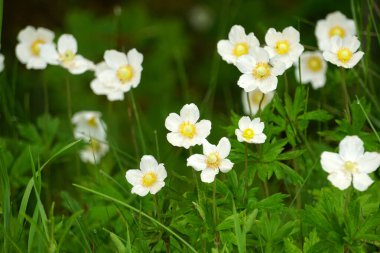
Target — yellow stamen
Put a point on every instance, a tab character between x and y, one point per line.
344	54
282	47
261	70
248	133
240	49
92	122
337	31
187	129
314	63
213	160
149	179
68	56
125	73
35	47
351	167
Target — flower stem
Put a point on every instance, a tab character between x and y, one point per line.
261	101
158	212
345	94
249	104
246	173
137	117
216	239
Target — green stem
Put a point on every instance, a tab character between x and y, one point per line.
245	173
249	103
345	94
137	117
260	104
216	239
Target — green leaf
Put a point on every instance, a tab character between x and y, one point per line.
317	115
289	247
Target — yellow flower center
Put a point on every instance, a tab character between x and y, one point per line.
68	56
282	47
248	133
314	63
240	49
92	122
35	47
213	160
124	73
344	54
261	70
256	97
337	31
94	145
149	179
351	167
187	129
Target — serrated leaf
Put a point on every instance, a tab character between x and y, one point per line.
317	115
291	154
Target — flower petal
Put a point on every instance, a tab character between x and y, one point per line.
208	175
331	162
340	179
172	122
225	165
67	42
369	162
140	190
148	162
351	148
115	59
197	161
133	177
224	147
361	181
156	187
190	113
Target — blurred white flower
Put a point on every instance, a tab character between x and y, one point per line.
284	45
94	151
343	52
237	45
185	131
118	74
259	72
28	50
87	125
250	131
1	62
335	24
255	97
149	178
66	55
351	164
212	160
313	69
201	17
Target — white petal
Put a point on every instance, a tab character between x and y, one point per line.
67	42
135	58
224	147
259	138
175	139
36	63
258	127
245	64
133	177
247	82
369	162
236	34
291	34
156	187
351	148
271	37
197	162
244	123
208	175
239	135
49	54
356	57
115	59
161	172
331	162
225	165
148	162
190	113
260	55
361	181
267	85
208	148
45	34
340	179
140	190
225	49
28	34
115	95
23	53
203	128
172	122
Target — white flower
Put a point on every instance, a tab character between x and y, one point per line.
185	131
313	69
103	87
237	45
212	160
255	97
28	50
94	151
259	72
343	52
1	62
250	131
352	164
284	45
66	55
149	178
88	125
120	73
335	24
